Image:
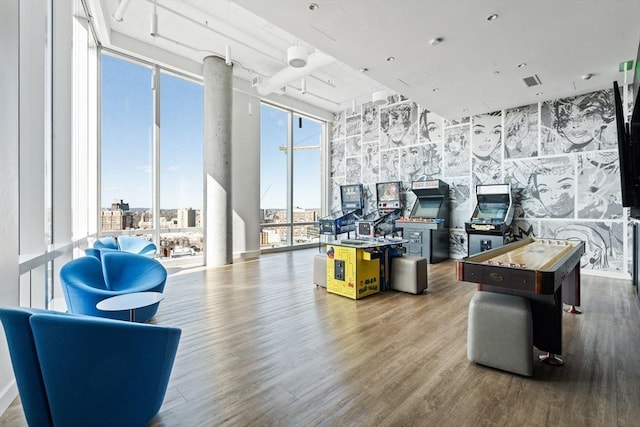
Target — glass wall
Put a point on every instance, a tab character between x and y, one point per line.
181	166
151	156
289	177
307	134
126	146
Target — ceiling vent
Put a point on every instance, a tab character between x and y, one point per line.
256	80
532	81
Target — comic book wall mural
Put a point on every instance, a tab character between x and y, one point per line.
560	157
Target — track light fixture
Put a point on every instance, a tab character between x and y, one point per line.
379	97
227	55
297	56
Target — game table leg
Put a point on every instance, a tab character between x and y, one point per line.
551	359
571	291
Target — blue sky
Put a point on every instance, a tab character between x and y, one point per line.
273	164
127	150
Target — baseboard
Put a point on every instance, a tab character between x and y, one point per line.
248	255
7	396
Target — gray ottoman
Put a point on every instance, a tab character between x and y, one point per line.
320	270
409	274
500	332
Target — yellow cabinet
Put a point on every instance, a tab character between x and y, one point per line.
352	272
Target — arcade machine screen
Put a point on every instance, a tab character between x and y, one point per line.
388	191
352	196
427	208
489	211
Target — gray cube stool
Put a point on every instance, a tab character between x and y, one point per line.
320	270
409	274
500	332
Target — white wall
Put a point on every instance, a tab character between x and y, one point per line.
246	162
245	174
9	143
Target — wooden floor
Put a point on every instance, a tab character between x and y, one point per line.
263	346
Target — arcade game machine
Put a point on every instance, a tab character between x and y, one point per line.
344	220
490	225
381	222
427	228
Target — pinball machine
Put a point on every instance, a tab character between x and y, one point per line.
344	220
381	222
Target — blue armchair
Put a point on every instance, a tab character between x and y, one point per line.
136	245
88	280
109	373
131	244
107	242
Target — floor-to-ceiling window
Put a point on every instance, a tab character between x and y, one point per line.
126	146
151	156
289	177
181	109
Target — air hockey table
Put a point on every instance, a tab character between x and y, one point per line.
545	271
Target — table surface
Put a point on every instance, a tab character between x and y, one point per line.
532	254
538	255
130	301
368	243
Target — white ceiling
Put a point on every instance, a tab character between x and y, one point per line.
474	68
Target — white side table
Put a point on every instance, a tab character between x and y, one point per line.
130	301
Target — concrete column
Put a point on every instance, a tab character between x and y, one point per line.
218	103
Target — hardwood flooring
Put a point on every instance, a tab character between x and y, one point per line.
263	346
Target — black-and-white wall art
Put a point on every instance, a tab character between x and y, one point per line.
338	156
338	126
599	194
486	147
560	156
354	170
353	124
457	152
370	163
370	122
421	162
389	165
521	132
353	148
580	123
431	126
544	188
459	202
398	125
603	244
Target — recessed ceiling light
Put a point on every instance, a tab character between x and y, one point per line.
587	76
496	72
314	6
539	93
436	41
492	17
522	64
364	69
391	58
435	89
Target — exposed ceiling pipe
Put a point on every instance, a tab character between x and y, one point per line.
119	13
285	76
